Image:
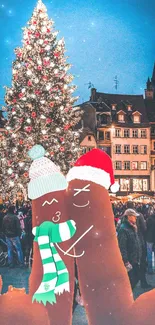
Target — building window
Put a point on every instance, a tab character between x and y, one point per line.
140	184
143	165
135	149
118	148
106	149
107	135
121	117
126	148
136	118
134	165
117	133
143	133
137	184
145	185
129	108
135	133
126	133
143	150
101	135
124	184
127	165
113	107
118	165
89	137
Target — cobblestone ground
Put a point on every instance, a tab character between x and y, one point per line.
19	278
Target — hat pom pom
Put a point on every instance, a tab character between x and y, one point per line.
114	188
36	152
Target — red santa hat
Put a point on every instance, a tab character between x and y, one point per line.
95	166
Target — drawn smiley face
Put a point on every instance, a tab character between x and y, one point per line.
78	191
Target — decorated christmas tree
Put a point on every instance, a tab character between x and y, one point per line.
39	103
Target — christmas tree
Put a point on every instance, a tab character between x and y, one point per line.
39	103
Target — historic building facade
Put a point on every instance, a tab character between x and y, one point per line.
150	109
124	127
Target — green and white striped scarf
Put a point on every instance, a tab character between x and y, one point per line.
55	274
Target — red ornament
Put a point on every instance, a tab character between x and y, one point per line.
48	30
51	153
51	104
26	174
48	120
45	137
21	120
66	110
29	33
21	142
34	22
41	50
27	42
62	149
28	129
39	67
46	62
14	100
13	109
61	139
19	54
9	163
66	127
33	114
45	42
26	65
37	34
20	95
28	146
37	92
57	54
29	83
13	175
45	78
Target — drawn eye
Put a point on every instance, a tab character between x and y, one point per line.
84	189
49	203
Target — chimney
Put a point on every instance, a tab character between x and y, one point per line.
93	95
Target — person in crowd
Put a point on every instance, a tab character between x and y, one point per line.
150	238
12	231
130	245
141	227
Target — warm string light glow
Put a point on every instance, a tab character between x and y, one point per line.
39	103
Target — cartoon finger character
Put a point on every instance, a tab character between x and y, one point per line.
52	276
103	279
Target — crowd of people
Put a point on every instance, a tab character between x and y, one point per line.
16	239
135	229
135	226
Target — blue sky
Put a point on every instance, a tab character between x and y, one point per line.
104	38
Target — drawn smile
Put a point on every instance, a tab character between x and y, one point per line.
81	206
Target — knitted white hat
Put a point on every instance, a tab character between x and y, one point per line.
45	176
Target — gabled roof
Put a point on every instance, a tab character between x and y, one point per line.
121	111
122	102
136	112
85	132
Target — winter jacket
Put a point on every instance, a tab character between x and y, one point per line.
129	244
11	226
150	232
